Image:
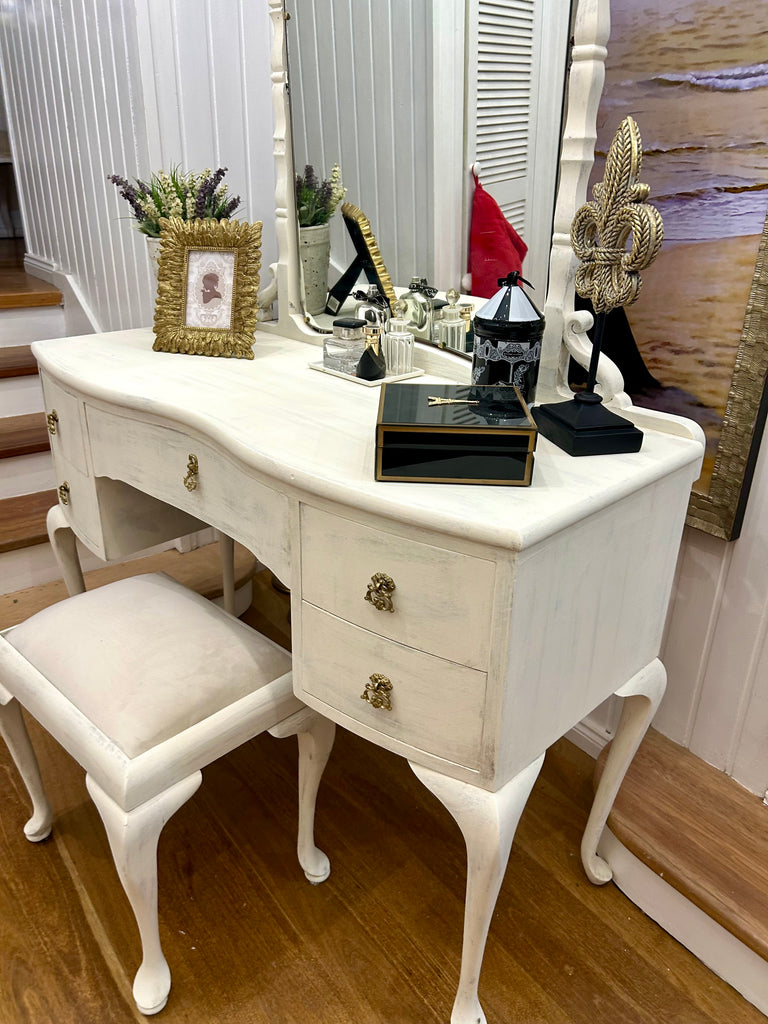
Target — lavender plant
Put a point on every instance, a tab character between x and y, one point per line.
175	193
316	200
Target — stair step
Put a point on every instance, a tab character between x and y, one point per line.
20	290
22	520
703	833
17	361
199	570
23	435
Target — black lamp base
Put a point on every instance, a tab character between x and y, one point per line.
584	426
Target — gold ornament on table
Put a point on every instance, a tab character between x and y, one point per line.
609	274
615	236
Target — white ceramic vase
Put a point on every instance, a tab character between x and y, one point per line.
153	249
315	249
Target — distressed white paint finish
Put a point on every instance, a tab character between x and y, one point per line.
128	88
576	569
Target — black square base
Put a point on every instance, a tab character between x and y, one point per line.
586	428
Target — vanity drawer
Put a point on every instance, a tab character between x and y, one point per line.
66	425
158	460
442	602
437	706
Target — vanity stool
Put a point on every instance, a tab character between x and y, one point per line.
144	683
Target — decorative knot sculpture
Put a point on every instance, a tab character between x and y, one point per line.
608	274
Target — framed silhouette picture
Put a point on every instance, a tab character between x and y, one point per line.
208	283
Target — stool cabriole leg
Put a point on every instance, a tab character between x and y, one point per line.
14	732
133	837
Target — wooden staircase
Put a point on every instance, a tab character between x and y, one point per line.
26	312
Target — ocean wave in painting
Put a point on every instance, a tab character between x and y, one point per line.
754	76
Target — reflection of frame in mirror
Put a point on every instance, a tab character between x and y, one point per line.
367	261
208	282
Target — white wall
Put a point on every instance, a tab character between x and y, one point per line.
94	87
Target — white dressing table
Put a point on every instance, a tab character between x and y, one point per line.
516	610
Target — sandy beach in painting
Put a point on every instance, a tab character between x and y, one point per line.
694	75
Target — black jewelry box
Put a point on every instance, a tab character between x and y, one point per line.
454	433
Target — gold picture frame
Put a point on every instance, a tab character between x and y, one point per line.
207	287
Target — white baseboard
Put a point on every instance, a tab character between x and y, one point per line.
78	316
716	947
589	737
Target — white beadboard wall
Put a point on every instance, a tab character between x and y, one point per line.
127	87
362	100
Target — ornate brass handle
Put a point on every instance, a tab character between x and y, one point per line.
52	419
377	692
190	480
380	591
64	493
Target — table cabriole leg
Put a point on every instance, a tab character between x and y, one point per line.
64	546
642	696
488	822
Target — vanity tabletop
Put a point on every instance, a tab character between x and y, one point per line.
316	433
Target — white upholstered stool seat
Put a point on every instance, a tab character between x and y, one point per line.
144	683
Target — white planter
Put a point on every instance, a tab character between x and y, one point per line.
153	249
315	249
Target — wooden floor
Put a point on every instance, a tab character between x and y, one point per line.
18	289
249	941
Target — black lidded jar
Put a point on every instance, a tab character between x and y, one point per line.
508	333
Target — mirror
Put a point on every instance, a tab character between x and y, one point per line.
403	97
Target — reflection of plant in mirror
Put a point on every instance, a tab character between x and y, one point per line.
316	201
176	194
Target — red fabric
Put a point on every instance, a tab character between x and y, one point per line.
495	248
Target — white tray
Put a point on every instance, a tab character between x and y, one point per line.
366	383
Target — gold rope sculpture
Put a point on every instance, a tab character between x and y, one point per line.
609	275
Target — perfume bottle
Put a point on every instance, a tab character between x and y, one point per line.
452	330
466	309
398	342
342	350
508	335
418	300
372	365
372	307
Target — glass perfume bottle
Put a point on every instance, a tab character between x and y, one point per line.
372	307
418	300
372	364
466	309
452	330
342	350
398	342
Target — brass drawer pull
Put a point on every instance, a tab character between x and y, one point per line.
190	480
377	692
380	591
52	419
64	493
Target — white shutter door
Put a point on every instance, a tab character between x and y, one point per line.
516	72
503	103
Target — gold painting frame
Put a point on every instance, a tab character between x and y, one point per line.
220	319
721	511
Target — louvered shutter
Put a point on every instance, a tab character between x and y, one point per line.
504	106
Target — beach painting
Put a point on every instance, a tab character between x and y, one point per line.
694	75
